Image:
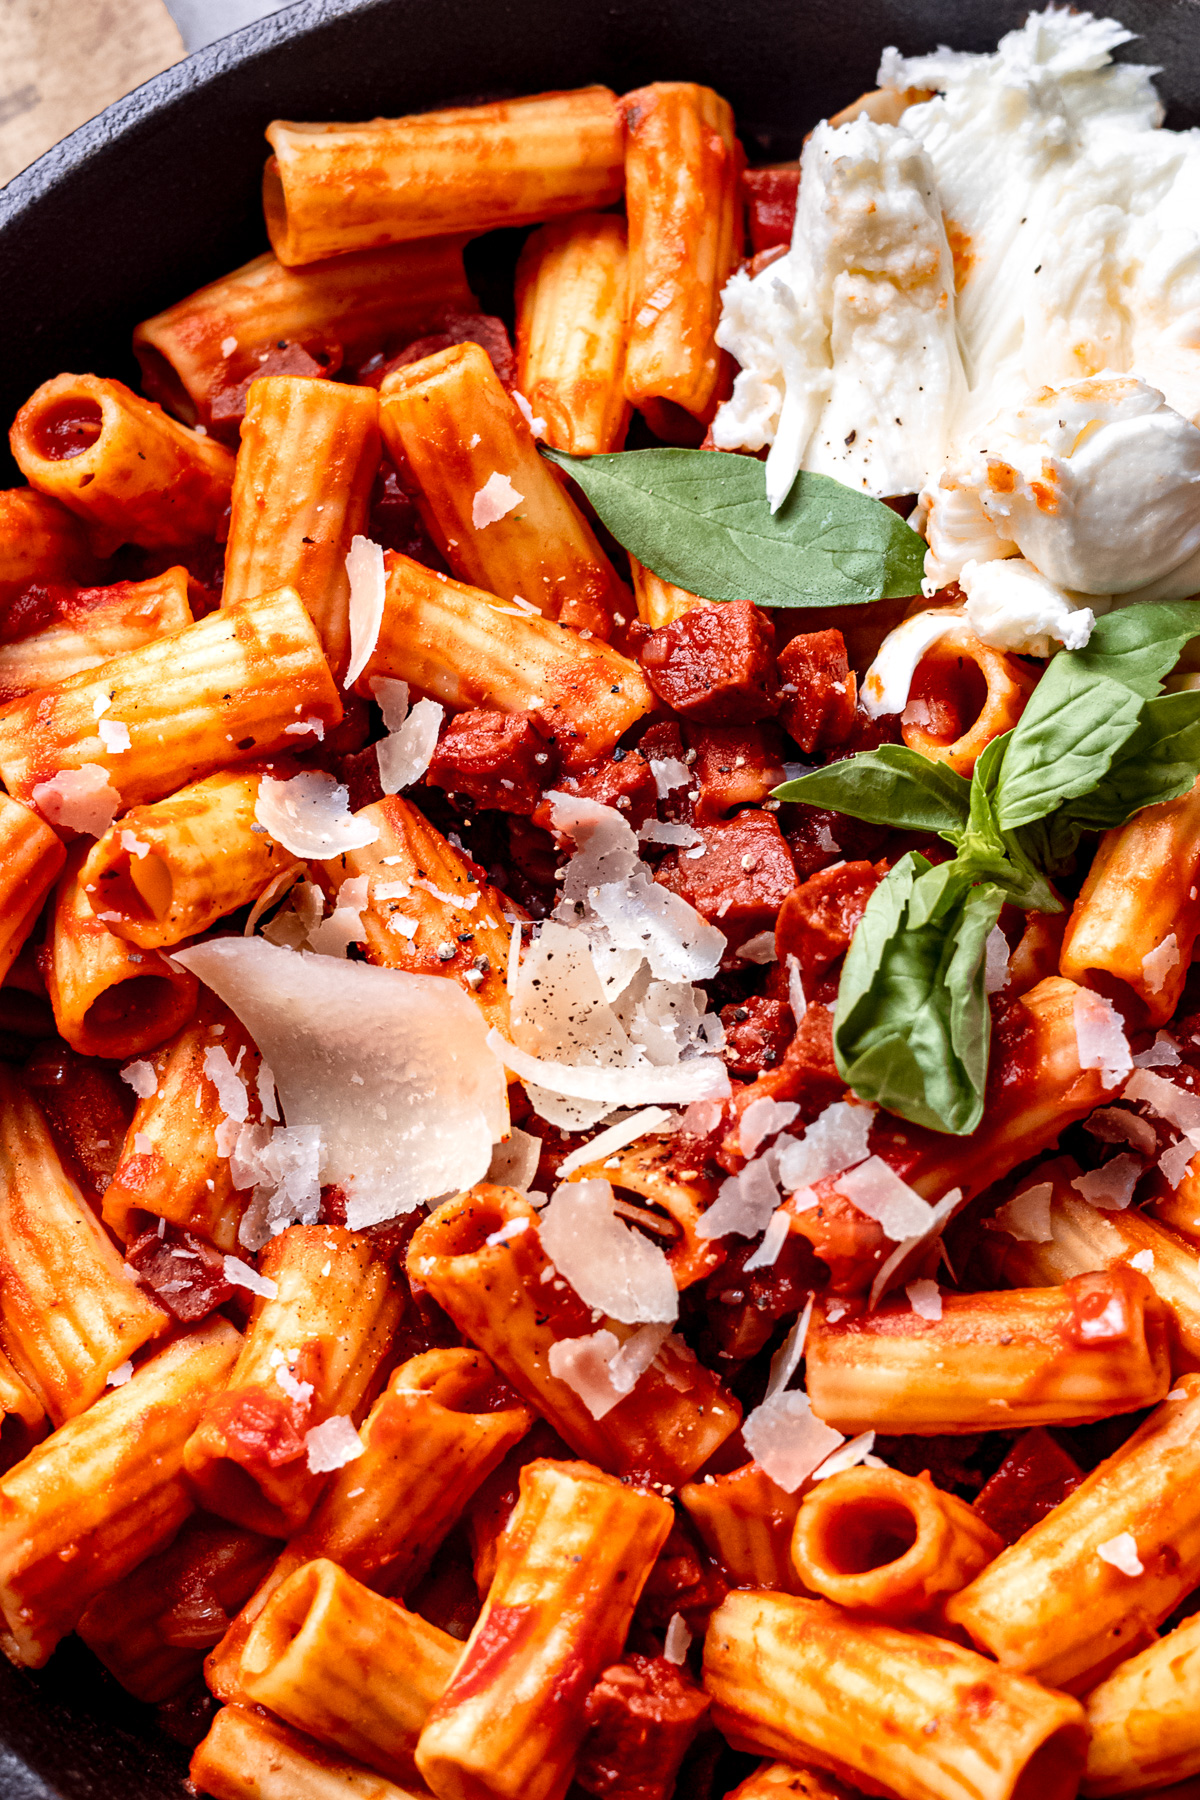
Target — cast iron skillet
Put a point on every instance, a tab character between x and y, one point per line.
161	193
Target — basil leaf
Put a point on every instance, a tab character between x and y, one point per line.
889	786
986	853
701	519
912	1026
1138	645
1065	741
1159	762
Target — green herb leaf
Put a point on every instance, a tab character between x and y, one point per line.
889	786
912	1026
700	519
1138	645
1159	762
1065	741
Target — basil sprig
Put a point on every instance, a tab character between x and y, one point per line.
1095	745
701	519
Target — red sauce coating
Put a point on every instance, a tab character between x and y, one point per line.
498	760
642	1714
771	196
1034	1477
67	428
820	712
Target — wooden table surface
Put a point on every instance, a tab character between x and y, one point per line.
63	61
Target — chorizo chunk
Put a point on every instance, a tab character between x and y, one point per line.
716	665
499	760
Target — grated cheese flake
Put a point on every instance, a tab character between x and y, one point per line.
878	1191
309	814
925	1298
617	1137
391	697
141	1077
758	949
854	1451
368	591
231	1089
495	500
762	1119
515	1160
1159	964
143	1143
1143	1262
610	1266
113	735
82	799
133	845
332	1445
1026	1216
1121	1552
677	1641
787	1440
404	755
774	1238
1100	1036
786	1359
602	1370
1111	1186
121	1374
240	1274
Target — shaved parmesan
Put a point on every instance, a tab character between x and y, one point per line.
495	499
332	1445
515	1161
310	815
142	1078
306	728
744	1204
1121	1552
762	1119
285	1168
231	1089
404	755
878	1191
774	1238
610	1266
391	697
1100	1036
1159	964
121	1374
344	926
617	1137
602	1370
514	1228
669	773
786	1440
240	1274
925	1298
1166	1098
836	1140
113	735
537	426
299	1391
133	846
143	1144
1026	1216
856	1450
787	1358
665	831
758	949
80	799
677	1641
100	705
1143	1262
429	1101
368	589
1163	1053
1111	1186
796	999
906	1254
703	1079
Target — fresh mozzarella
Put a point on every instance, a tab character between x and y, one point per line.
1012	607
849	362
887	681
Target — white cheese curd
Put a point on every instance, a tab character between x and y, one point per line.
1011	606
849	362
887	681
1098	485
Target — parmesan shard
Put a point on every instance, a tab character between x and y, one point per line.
1111	1186
1100	1036
762	1119
878	1191
82	800
611	1266
774	1238
495	500
240	1274
678	1640
113	735
368	586
787	1440
309	814
925	1298
515	1160
854	1451
142	1078
1121	1552
836	1140
429	1100
332	1444
1159	964
1026	1216
405	754
600	1369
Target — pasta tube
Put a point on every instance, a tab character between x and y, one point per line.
1138	913
495	509
30	859
40	540
249	1756
102	1493
683	170
502	1298
326	1328
173	868
356	302
121	463
221	691
170	1167
352	1669
150	1631
881	1542
964	694
109	999
92	626
659	602
69	1315
431	1439
423	901
1083	1238
467	649
309	453
22	1416
799	1679
1035	1356
571	1566
746	1521
572	283
648	1169
333	188
1144	1722
1053	1604
778	1781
